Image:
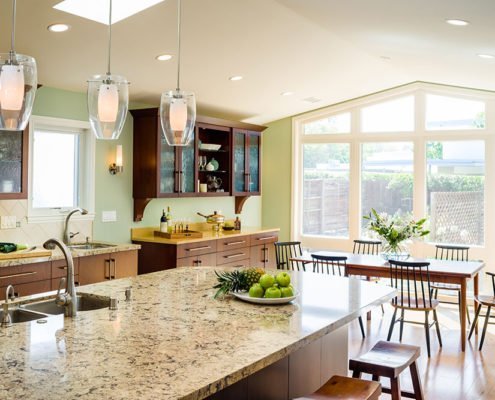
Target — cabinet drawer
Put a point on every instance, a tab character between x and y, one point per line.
262	238
229	256
238	263
25	273
27	289
59	268
237	242
206	260
196	248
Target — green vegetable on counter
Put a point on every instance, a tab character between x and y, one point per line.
10	247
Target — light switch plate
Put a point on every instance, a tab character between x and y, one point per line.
8	222
109	216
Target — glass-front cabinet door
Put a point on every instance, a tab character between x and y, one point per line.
13	164
176	170
168	175
186	171
246	162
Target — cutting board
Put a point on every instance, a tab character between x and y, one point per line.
25	254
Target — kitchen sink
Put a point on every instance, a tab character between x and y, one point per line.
84	303
20	315
90	246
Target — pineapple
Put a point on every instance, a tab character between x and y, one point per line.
236	280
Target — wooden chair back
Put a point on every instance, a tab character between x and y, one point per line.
362	246
284	251
411	279
333	265
451	252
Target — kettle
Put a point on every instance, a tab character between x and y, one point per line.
213	218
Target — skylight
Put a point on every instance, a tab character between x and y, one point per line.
97	10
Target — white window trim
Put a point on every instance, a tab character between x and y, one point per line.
419	136
86	168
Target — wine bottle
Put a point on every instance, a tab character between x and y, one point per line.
170	223
163	222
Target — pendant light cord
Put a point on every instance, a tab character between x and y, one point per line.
109	37
12	36
178	43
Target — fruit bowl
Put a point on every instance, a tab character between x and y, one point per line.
228	228
244	296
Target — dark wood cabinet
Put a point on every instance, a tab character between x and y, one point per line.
14	164
160	170
102	267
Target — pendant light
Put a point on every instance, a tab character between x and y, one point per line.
178	108
108	98
18	84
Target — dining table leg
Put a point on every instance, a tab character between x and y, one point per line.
463	314
476	292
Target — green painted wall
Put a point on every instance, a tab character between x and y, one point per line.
277	164
114	192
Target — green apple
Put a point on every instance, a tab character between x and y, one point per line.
283	279
273	293
256	290
266	281
287	292
229	224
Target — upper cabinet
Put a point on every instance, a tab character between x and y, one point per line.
13	164
223	160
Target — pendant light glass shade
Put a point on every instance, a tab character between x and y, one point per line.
178	116
108	102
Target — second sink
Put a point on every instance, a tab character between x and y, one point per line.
84	303
90	246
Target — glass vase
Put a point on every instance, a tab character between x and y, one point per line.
396	252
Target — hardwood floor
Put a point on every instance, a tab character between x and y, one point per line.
449	374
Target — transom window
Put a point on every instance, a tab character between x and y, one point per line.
418	150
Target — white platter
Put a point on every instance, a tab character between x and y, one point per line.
209	146
244	296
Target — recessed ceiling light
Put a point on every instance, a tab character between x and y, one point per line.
164	57
311	99
92	9
457	22
235	78
286	93
58	27
486	56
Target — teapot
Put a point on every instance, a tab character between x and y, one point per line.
214	183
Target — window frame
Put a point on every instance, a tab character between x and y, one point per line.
86	168
419	137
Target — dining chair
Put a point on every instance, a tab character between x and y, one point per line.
411	279
284	251
489	302
370	247
333	265
452	253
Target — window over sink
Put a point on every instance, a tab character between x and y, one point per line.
61	168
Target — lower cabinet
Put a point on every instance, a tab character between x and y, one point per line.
263	255
27	279
98	268
197	261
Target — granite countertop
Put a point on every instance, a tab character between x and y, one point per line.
57	254
172	340
147	235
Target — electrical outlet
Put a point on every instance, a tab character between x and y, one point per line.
8	222
109	216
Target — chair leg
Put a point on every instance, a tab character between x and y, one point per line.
392	323
361	325
437	326
401	329
383	310
395	388
416	381
487	317
356	374
459	304
475	322
375	378
427	333
467	314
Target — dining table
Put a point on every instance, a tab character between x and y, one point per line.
441	271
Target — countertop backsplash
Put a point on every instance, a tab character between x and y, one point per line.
37	233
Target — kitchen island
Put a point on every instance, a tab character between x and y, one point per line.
172	340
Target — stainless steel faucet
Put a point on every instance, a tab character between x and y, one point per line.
69	298
69	235
6	319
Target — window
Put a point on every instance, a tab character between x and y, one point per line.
340	123
455	191
61	168
443	113
391	116
326	189
386	178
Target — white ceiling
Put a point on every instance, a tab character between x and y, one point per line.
330	49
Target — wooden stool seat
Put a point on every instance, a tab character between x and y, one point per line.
342	387
485	300
389	359
480	301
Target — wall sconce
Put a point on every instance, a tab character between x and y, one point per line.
117	166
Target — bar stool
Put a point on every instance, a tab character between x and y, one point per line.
389	359
342	387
